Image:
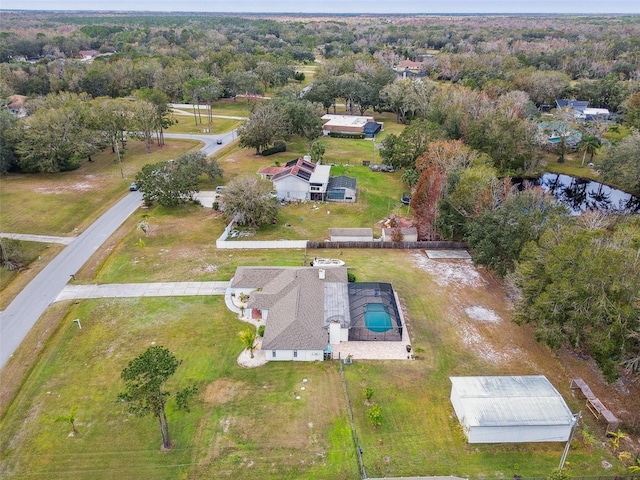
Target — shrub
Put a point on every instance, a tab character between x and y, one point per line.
351	277
261	331
358	136
396	234
215	206
278	146
367	392
375	416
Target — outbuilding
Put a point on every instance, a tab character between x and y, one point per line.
351	234
407	234
510	409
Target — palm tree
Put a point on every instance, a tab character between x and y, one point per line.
248	338
71	418
589	144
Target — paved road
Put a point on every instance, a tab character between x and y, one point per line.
23	312
26	308
210	141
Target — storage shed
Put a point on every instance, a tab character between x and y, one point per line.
510	409
351	234
409	234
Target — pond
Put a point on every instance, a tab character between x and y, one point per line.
580	195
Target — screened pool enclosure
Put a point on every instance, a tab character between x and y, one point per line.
374	312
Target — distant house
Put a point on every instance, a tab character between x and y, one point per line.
577	105
583	111
350	124
409	66
301	179
15	105
341	189
88	55
351	234
411	69
409	234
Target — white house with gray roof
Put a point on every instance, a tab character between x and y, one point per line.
304	308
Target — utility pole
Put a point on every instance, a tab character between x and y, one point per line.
576	418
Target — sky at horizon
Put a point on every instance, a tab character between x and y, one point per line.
337	6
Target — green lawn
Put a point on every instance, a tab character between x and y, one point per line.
246	422
187	124
242	422
66	203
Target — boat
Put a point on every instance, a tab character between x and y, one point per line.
327	262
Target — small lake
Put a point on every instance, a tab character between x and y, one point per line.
580	195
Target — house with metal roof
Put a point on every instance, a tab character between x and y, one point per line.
583	111
510	409
366	125
304	308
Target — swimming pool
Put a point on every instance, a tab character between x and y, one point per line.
377	318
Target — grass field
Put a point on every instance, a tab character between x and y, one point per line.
187	124
66	203
246	423
241	421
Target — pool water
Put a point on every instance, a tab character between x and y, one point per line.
377	318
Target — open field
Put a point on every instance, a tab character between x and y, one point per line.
247	422
66	203
186	124
241	421
571	166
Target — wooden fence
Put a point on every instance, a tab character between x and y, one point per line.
432	245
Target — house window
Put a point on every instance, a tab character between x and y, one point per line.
273	353
295	354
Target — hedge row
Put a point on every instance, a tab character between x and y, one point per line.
358	136
278	146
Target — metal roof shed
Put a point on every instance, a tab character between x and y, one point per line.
510	409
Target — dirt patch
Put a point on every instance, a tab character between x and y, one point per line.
87	183
482	314
223	390
450	272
